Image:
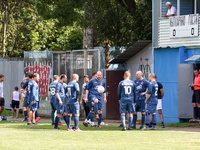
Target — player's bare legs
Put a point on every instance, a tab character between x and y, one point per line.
17	112
198	105
161	117
1	110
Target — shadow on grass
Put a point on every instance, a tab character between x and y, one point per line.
47	126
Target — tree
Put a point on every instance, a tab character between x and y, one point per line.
121	22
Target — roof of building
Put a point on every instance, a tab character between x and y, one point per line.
130	52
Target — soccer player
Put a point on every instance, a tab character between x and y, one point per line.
26	99
196	97
151	101
159	106
73	91
15	99
96	97
91	108
2	101
60	97
126	95
52	89
33	90
141	88
82	100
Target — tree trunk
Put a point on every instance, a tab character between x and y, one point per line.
4	25
107	53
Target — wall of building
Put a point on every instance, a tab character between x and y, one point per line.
166	68
133	63
14	74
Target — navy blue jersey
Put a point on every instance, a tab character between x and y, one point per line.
141	86
52	89
60	90
160	86
33	91
126	91
72	91
92	87
153	91
25	86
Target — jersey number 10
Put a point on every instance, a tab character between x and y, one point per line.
127	89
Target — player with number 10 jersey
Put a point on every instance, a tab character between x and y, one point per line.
126	95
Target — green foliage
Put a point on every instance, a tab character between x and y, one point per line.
58	24
117	21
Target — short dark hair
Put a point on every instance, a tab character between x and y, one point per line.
196	69
93	74
16	88
62	76
1	75
22	84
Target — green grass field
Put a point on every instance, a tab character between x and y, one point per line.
17	136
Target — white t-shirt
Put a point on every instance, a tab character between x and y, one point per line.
16	95
1	89
171	11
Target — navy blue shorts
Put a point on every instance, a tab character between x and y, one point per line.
34	107
53	106
126	107
2	101
151	108
26	102
60	109
73	108
38	104
196	96
15	104
140	106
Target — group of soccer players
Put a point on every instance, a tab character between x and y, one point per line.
59	90
138	96
32	98
134	96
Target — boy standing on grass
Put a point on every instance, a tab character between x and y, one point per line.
15	100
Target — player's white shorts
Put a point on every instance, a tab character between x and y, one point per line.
159	105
